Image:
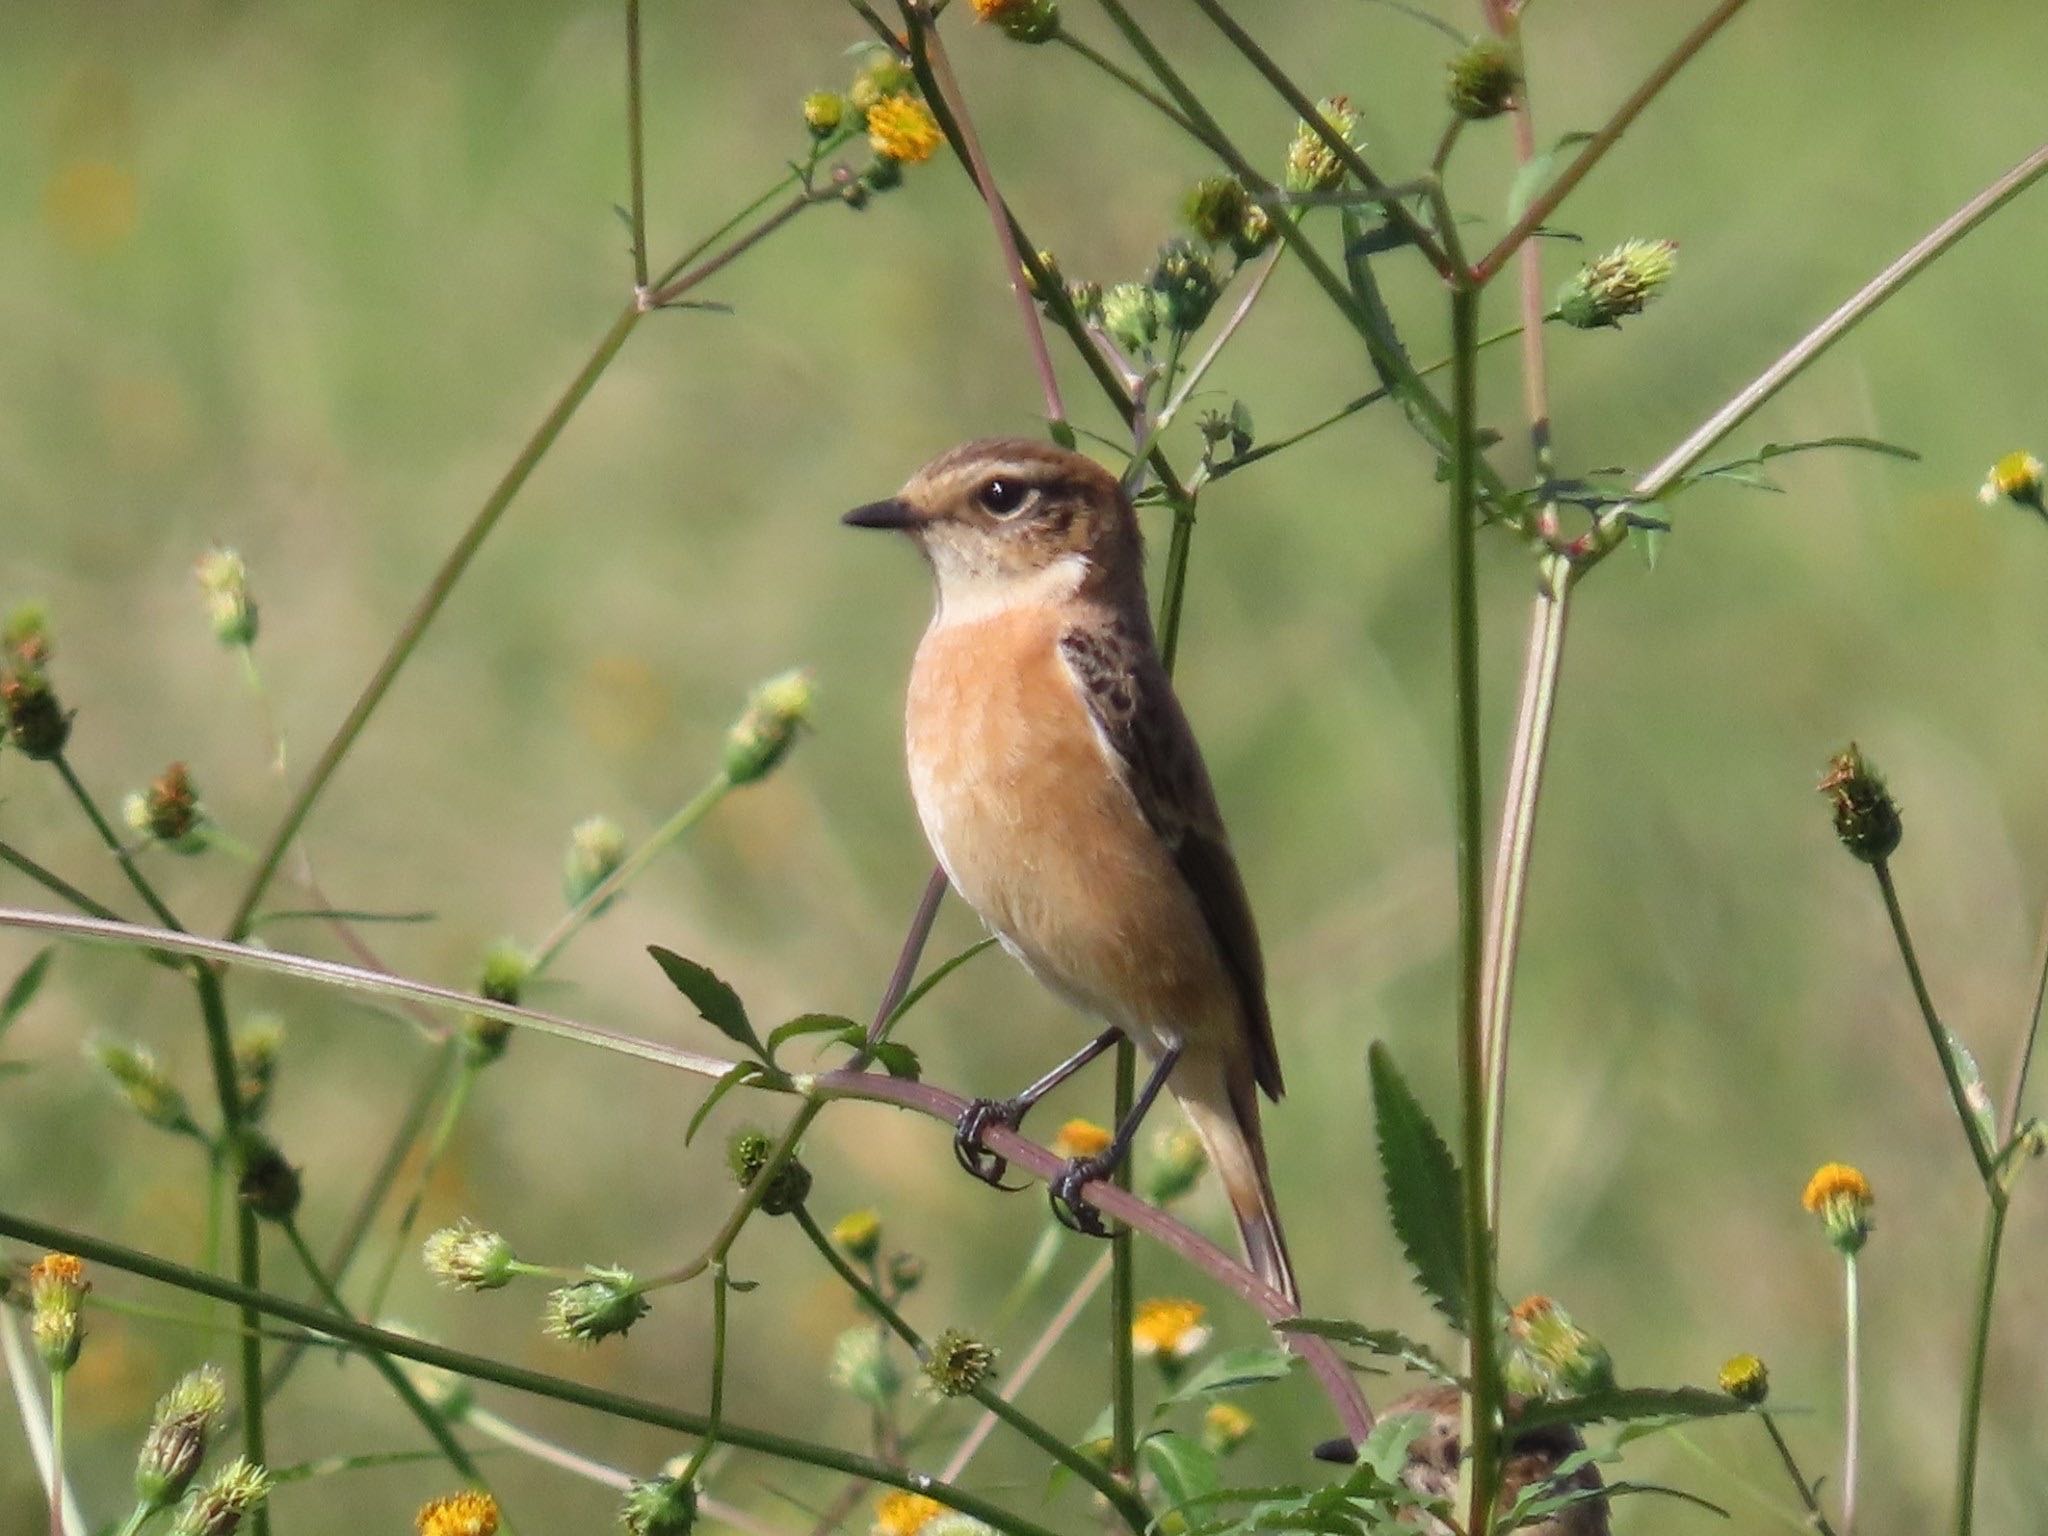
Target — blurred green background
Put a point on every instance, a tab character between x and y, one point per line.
301	278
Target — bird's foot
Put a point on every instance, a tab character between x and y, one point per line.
973	1124
1069	1206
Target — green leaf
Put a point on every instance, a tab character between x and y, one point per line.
1424	1195
1185	1471
1252	1366
1365	289
1062	433
1975	1094
1532	178
899	1060
717	1002
1386	1342
739	1072
1625	1404
808	1024
22	991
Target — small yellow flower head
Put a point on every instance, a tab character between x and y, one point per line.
1483	80
186	1418
468	1258
56	1290
229	608
763	735
143	1083
506	969
901	128
597	847
1133	314
2016	478
471	1512
1170	1331
268	1184
863	1365
824	111
1028	21
217	1509
1178	1163
257	1047
659	1506
608	1302
168	812
1617	284
902	1513
1080	1138
1225	1427
1840	1196
1186	283
859	1233
747	1153
1549	1355
881	75
906	1273
1312	166
1866	817
958	1364
1746	1379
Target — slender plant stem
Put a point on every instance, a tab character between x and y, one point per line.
1546	202
480	1368
61	888
466	1073
1483	1460
1966	1113
636	165
1806	1494
113	841
1123	1294
2016	1090
432	1422
668	293
1971	1427
1727	1475
1180	547
1506	905
1121	1497
424	612
1131	83
720	1285
1215	348
1852	1352
57	1451
938	974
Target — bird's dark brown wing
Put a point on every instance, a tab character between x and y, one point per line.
1132	701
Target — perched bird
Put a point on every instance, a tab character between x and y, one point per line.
1063	793
1531	1456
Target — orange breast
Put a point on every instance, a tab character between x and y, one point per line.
1041	837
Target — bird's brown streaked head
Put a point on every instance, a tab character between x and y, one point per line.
1004	519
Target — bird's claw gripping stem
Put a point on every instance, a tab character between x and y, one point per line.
1069	1205
973	1124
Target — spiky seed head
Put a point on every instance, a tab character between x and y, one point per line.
1866	816
1620	283
1483	80
659	1506
957	1364
607	1303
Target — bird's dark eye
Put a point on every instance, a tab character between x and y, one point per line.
1002	497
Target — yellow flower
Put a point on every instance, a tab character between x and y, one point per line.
2016	477
902	128
1841	1197
1169	1329
1081	1138
904	1514
1746	1379
859	1233
469	1513
1224	1428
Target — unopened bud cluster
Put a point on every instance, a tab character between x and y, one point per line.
1866	817
1483	80
1312	165
168	813
35	722
1618	284
763	735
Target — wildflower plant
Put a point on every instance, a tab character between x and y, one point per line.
1521	1414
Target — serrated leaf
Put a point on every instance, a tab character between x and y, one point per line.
23	989
1252	1366
1744	471
1184	1470
1536	175
739	1072
1424	1196
899	1060
719	1005
1626	1404
1389	1343
808	1024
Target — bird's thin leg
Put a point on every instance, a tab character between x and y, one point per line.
1067	1202
983	1113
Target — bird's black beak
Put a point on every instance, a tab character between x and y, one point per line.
893	513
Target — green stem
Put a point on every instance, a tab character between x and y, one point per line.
61	888
113	841
1133	84
938	974
216	1192
1951	1070
433	1423
1483	1463
1173	592
1980	1357
138	1517
57	1452
635	147
115	1256
720	1285
1852	1430
425	611
1126	1503
466	1074
1123	1292
2016	1094
1763	1499
1806	1494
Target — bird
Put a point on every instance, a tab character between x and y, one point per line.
1061	788
1533	1455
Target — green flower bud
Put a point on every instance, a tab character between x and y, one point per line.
56	1297
1746	1379
1133	315
747	1153
659	1506
1483	80
906	1273
257	1047
597	847
881	75
217	1509
608	1302
1866	817
1215	208
506	969
1186	284
1619	283
957	1364
1312	166
468	1258
143	1083
229	608
762	736
1178	1163
186	1418
824	111
1551	1356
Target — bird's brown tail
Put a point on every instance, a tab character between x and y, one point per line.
1226	1116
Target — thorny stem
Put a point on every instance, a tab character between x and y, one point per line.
635	146
481	1368
1971	1427
1806	1494
1545	203
1121	1497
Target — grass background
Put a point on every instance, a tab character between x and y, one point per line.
301	278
